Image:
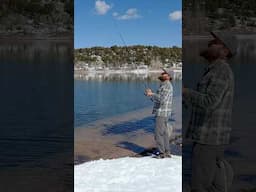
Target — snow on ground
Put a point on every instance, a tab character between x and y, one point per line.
130	174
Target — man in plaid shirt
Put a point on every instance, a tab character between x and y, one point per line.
162	110
210	122
212	102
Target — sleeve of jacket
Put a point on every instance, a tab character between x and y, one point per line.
212	96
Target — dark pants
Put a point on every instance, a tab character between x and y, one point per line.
161	134
204	167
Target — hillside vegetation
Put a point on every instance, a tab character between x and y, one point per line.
127	55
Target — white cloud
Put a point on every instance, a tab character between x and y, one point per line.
115	14
175	15
102	7
131	13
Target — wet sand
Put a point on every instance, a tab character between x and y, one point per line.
92	143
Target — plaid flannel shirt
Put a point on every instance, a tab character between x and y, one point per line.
212	102
163	100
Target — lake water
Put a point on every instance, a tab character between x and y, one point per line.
95	100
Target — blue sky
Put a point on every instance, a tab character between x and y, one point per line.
138	22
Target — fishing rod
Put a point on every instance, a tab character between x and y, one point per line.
121	37
146	85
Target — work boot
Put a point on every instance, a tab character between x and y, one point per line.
168	155
160	156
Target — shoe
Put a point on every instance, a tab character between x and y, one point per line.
160	156
168	155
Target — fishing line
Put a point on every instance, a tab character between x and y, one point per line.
146	85
121	36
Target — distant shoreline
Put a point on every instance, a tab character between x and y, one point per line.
83	72
125	75
116	71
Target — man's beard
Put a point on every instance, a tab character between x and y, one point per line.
208	55
161	78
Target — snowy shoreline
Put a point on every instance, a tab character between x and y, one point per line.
130	175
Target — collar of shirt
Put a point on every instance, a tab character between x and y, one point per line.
164	82
215	64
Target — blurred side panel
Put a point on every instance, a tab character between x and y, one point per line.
36	80
235	18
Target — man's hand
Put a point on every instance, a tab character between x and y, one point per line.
148	92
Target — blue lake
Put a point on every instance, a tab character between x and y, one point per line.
95	100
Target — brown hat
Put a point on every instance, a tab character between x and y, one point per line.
168	71
228	40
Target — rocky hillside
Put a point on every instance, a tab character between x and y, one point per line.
118	56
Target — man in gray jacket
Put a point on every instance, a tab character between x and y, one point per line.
162	110
210	122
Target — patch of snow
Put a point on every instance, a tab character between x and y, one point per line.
130	174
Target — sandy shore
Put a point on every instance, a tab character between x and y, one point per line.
91	143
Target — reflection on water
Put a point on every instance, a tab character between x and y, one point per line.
116	77
37	106
105	76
